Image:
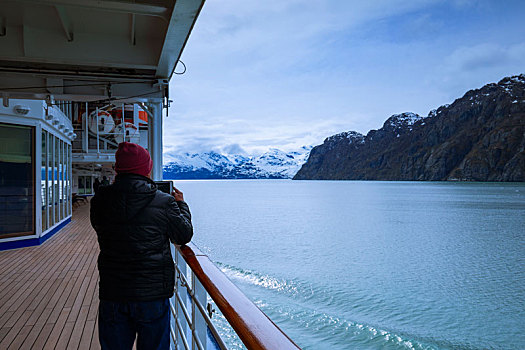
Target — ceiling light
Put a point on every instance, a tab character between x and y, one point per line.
22	110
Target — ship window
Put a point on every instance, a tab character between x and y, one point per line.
56	180
85	185
65	168
68	180
44	181
17	178
70	177
56	183
62	180
51	179
89	188
82	185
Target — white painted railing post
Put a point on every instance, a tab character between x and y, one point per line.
155	140
198	321
173	303
182	293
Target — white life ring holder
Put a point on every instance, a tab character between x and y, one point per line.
130	134
103	122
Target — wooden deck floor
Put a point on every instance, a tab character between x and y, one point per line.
49	293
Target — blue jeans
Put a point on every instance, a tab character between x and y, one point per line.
120	322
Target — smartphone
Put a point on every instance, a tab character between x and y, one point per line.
165	186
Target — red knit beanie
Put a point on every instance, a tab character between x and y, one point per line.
132	158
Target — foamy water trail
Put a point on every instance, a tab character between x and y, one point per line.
300	314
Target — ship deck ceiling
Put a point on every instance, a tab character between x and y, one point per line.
74	49
49	293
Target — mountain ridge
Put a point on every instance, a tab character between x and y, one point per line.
478	137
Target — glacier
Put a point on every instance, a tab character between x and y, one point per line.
273	164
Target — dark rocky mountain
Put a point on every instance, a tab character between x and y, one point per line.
479	137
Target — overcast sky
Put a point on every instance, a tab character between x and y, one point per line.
283	74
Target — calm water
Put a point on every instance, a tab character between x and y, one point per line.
372	265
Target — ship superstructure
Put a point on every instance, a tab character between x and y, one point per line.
76	79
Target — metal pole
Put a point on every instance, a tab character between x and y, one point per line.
136	120
198	321
46	198
53	154
85	132
182	295
123	123
98	151
175	313
155	140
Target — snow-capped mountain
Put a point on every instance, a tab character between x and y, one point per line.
403	121
274	164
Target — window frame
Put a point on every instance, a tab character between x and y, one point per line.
33	138
45	179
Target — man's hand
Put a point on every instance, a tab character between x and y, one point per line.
177	194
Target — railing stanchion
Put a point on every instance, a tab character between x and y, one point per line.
123	123
85	133
173	301
98	127
182	294
198	321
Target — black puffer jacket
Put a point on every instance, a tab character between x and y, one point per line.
135	223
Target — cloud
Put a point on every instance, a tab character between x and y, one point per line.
285	74
469	67
245	137
234	148
478	57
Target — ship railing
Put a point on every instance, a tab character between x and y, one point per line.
66	107
93	138
199	280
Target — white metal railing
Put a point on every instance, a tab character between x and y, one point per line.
92	139
191	331
66	107
191	324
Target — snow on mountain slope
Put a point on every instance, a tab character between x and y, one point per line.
209	161
274	164
402	121
284	164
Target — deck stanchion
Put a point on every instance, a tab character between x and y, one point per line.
123	123
98	119
181	294
85	134
173	301
198	321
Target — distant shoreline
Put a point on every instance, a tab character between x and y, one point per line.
348	180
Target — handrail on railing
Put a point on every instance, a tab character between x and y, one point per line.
254	328
191	320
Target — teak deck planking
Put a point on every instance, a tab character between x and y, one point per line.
49	293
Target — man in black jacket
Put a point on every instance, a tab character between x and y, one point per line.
135	223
